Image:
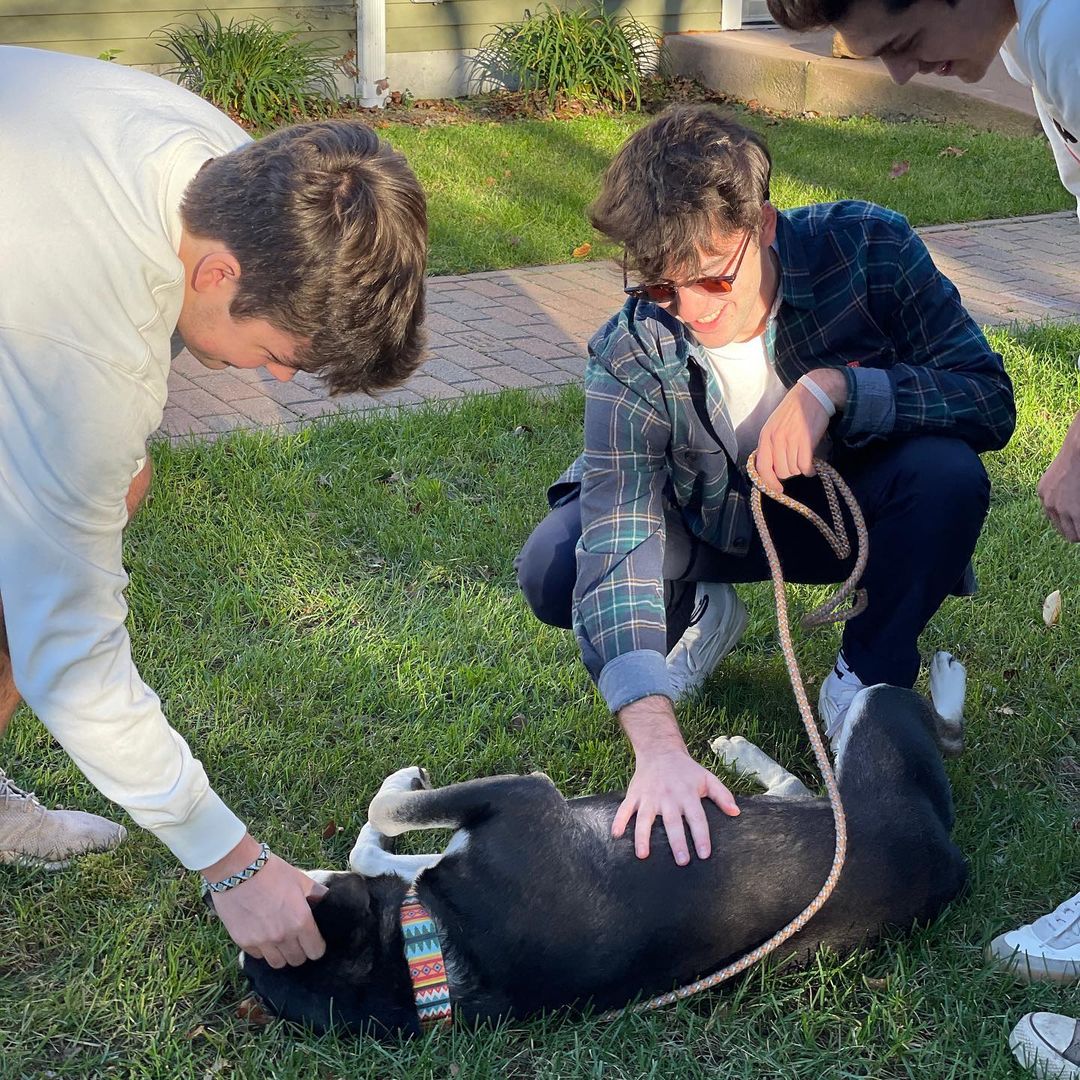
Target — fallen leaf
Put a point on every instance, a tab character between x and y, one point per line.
899	168
582	250
507	172
952	151
876	984
252	1012
199	1032
330	830
489	180
1052	608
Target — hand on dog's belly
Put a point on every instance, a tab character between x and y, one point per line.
668	783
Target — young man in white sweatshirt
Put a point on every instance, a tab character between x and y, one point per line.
1039	41
130	209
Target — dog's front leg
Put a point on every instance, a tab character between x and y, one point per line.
370	856
397	809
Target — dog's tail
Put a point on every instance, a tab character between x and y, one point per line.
948	687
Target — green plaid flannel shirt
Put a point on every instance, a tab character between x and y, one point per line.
860	293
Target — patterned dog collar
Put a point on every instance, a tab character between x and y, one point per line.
423	954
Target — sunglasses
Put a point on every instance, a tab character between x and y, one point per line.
667	292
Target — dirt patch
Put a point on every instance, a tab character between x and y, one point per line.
502	106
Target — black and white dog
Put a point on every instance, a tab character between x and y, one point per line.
538	908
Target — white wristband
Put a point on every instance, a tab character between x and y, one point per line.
823	399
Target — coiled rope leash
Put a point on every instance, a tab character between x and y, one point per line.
828	612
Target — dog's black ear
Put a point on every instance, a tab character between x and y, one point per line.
345	908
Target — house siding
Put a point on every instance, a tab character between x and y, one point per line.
462	24
428	44
91	27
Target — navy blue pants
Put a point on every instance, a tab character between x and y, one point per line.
924	499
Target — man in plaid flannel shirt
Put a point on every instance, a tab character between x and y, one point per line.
826	329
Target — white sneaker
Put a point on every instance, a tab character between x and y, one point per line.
717	623
837	693
1047	949
1048	1044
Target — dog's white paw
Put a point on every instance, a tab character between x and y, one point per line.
411	778
948	686
728	747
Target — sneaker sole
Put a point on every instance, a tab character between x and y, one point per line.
28	862
1033	1053
1027	969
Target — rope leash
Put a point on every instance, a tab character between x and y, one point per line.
836	535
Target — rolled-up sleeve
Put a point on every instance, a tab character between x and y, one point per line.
944	378
618	610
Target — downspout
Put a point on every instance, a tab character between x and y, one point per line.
372	85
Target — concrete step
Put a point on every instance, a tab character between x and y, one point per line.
797	73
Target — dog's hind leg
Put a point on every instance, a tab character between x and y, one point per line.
948	687
749	760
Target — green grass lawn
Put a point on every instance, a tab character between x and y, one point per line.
514	194
318	610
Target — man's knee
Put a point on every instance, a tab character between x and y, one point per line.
547	567
140	487
946	476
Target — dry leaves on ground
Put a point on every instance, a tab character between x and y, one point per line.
1052	608
251	1011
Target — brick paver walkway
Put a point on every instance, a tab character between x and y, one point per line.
529	328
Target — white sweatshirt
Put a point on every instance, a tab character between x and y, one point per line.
1043	52
94	159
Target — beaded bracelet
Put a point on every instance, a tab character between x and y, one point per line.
240	876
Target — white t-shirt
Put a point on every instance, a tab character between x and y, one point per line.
1043	52
749	385
94	158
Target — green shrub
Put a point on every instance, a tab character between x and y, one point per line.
255	73
587	55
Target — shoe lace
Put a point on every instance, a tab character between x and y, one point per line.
9	792
1064	915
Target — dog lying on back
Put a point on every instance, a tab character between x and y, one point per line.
538	908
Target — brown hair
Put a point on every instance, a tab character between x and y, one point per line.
684	178
815	14
329	226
